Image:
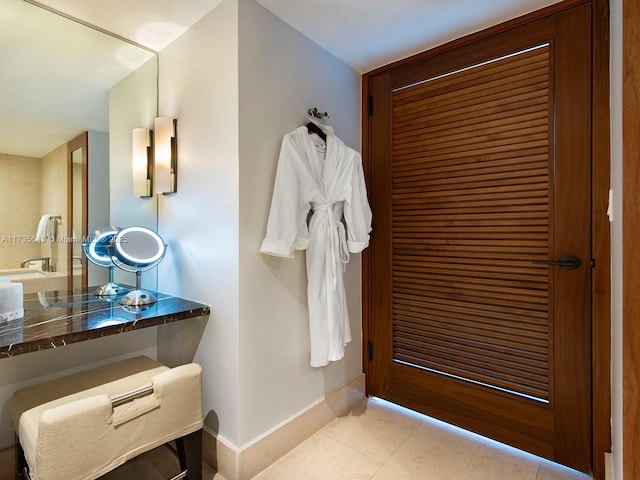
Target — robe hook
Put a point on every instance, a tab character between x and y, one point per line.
316	114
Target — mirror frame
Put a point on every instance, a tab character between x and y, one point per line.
81	142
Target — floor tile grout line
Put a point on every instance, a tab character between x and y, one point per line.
388	467
349	447
376	472
538	471
339	443
419	421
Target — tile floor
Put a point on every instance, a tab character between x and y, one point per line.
381	441
378	441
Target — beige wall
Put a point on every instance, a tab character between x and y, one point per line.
53	201
234	98
276	90
132	104
199	87
30	188
19	209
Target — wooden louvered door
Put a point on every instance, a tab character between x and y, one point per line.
479	169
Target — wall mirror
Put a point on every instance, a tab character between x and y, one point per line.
70	97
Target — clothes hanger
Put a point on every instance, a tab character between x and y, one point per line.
314	126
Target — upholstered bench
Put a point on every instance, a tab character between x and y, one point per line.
84	425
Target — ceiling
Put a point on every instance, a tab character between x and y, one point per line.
363	33
56	75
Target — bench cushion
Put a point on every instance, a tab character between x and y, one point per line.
29	397
82	436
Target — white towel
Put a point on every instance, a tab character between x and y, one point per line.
46	229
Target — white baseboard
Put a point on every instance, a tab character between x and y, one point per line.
248	461
609	473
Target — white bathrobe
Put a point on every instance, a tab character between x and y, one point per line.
320	205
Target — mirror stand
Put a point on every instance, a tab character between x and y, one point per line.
138	298
110	289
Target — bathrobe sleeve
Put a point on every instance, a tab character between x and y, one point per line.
357	213
287	227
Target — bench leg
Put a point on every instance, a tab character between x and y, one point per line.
190	454
20	462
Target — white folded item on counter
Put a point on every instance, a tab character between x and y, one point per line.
11	298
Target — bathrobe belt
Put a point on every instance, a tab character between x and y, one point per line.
337	237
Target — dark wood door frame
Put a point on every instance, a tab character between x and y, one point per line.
601	280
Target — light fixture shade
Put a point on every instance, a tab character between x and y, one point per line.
166	152
142	162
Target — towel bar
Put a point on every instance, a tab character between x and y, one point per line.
131	396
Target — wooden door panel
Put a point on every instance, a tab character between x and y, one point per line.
480	164
572	326
379	187
517	423
507	350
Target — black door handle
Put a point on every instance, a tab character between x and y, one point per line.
568	262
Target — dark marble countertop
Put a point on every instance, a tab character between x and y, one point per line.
54	319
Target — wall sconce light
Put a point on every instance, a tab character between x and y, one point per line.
166	155
142	162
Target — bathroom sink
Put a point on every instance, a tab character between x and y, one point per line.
35	280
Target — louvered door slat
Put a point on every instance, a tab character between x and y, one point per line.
491	71
453	92
501	370
472	104
480	320
470	203
474	355
404	173
482	268
512	102
501	306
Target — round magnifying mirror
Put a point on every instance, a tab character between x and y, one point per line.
97	252
135	249
97	249
138	248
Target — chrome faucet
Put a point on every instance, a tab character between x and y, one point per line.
44	260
